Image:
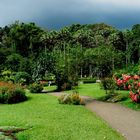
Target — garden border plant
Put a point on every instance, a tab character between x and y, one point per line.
131	83
11	93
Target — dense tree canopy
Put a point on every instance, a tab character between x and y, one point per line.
72	52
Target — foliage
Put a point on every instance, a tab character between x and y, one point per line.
88	80
102	60
75	51
135	89
73	98
14	62
6	75
109	85
10	93
130	70
131	83
44	63
67	66
22	77
36	88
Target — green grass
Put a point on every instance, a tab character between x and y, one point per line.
50	88
91	90
128	103
45	119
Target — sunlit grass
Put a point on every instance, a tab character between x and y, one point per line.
50	88
46	119
91	90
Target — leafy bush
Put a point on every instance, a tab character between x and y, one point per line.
109	85
22	78
130	70
129	82
7	75
10	93
73	98
36	88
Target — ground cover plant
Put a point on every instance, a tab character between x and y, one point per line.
44	118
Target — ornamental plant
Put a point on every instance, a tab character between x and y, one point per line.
123	81
36	88
135	90
11	93
73	98
131	83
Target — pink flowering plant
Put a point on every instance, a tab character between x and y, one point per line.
132	83
135	90
122	81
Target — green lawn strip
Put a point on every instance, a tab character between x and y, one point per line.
50	88
91	90
45	119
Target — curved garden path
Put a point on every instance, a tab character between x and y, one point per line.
124	120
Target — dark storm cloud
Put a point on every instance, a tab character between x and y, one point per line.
55	14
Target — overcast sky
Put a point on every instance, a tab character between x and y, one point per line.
54	14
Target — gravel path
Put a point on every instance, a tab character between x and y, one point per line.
124	120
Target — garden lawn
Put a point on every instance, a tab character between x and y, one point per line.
92	90
46	119
50	88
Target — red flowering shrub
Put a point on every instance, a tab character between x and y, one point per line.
10	93
135	90
131	83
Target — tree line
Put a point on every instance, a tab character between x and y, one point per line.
74	51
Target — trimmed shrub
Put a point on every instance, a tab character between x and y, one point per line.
88	80
73	98
10	93
36	88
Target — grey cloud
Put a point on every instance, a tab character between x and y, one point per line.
55	14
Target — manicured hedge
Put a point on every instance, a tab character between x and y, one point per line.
88	80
